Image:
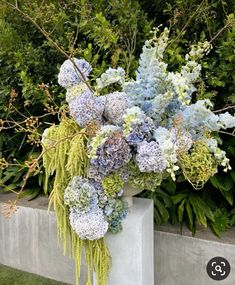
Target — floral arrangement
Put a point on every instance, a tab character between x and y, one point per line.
127	133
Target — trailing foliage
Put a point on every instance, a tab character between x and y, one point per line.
64	161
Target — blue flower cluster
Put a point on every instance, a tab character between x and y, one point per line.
110	155
148	130
198	118
91	225
69	74
149	157
115	106
137	126
87	108
116	212
81	194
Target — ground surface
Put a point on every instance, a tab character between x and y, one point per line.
10	276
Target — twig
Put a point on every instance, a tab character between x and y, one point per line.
225	108
227	133
187	23
220	31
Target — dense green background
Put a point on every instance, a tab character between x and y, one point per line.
112	35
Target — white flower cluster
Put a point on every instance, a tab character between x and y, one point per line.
219	154
170	142
91	225
111	76
149	157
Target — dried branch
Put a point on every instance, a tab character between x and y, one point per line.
225	108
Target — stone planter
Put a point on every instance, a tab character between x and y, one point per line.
129	192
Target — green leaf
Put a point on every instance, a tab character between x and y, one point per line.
162	210
190	214
176	199
181	211
199	212
232	173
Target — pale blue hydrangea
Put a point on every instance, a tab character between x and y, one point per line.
150	158
110	155
115	106
137	126
111	76
226	121
89	226
69	75
87	108
198	117
81	194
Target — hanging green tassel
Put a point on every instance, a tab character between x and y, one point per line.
65	155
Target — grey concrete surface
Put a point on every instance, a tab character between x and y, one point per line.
28	242
182	259
132	249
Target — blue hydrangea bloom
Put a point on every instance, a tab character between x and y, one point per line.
82	194
87	108
69	75
112	154
91	225
115	107
149	157
137	126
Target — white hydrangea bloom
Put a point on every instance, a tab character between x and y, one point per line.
149	157
226	121
111	76
219	154
91	225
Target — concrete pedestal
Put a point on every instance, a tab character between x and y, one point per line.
28	241
132	250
